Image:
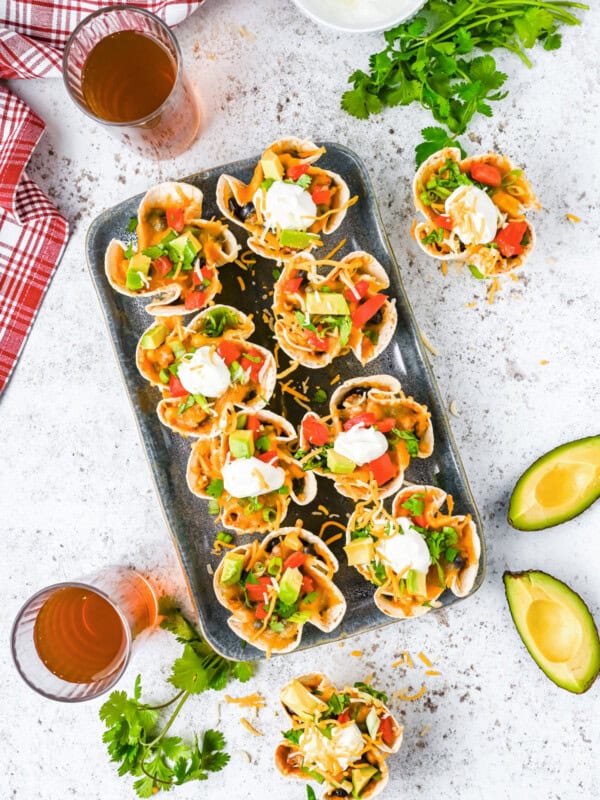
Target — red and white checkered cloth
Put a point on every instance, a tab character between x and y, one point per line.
33	234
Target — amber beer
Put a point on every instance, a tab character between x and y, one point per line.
123	67
73	641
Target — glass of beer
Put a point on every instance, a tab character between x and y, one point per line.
123	67
73	641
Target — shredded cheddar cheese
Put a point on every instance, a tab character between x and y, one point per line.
255	700
323	510
427	344
425	660
432	672
514	277
411	697
495	287
543	362
330	523
444	267
240	280
250	727
573	218
356	653
293	366
470	305
334	538
335	379
338	247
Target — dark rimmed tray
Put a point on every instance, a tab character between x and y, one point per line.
193	530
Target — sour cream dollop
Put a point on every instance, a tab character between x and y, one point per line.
249	477
345	745
474	215
204	373
361	445
407	549
286	206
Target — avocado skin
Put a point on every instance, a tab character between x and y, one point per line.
550	521
507	577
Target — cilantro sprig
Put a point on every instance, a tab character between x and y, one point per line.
133	736
431	60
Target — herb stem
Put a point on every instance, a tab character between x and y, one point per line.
165	705
169	722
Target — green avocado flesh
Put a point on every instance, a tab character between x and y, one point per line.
557	487
556	627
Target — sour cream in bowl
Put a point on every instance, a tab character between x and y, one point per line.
360	16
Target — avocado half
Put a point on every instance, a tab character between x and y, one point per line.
556	627
557	487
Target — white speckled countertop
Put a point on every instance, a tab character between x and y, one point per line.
76	493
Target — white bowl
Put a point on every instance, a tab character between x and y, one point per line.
355	16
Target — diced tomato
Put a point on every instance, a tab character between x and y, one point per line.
315	341
387	730
195	300
270	455
162	265
366	420
296	170
321	195
314	431
367	310
382	468
175	218
359	291
253	424
256	591
308	585
204	274
443	221
229	351
254	366
420	520
344	717
261	612
292	284
294	560
486	173
386	425
176	388
509	239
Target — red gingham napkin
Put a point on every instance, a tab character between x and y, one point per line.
33	234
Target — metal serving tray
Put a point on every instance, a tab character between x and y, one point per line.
193	530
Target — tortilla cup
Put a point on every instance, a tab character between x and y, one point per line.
329	608
236	199
172	294
208	456
366	341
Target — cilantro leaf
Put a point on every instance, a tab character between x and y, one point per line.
365	687
293	735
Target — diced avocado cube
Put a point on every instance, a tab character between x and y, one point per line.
233	564
330	303
271	165
133	280
360	551
299	240
154	337
360	778
177	348
140	263
241	444
179	244
241	421
339	464
289	585
416	583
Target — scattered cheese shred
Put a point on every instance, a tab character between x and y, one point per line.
334	538
209	569
293	366
411	697
240	280
432	672
250	727
425	660
398	663
255	700
246	33
356	653
323	510
470	305
425	730
248	258
330	523
335	379
444	267
287	387
408	660
335	250
454	409
573	218
514	277
543	362
495	286
369	678
428	344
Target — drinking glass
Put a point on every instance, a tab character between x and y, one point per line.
132	608
164	132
